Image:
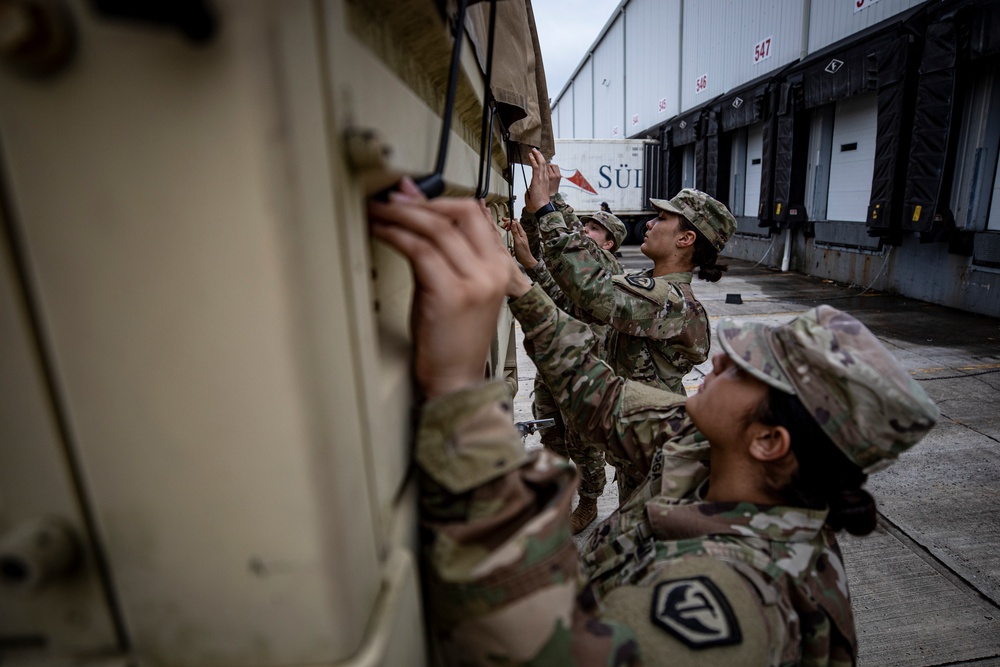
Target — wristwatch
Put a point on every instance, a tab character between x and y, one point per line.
545	210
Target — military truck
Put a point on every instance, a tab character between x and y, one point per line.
623	173
207	409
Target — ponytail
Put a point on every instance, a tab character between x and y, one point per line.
825	476
705	257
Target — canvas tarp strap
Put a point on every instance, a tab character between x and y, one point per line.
932	121
518	78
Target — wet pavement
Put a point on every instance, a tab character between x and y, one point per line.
926	585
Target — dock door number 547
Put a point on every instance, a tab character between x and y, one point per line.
762	50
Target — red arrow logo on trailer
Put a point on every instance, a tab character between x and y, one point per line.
579	181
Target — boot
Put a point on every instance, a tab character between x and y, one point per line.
583	515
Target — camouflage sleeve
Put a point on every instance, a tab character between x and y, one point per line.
569	215
502	572
540	275
659	311
629	419
591	279
530	225
578	266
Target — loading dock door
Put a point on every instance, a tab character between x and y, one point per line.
755	149
852	161
688	179
993	223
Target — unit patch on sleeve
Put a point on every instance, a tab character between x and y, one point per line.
642	282
695	611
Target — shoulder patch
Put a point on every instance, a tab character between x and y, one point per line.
642	282
695	611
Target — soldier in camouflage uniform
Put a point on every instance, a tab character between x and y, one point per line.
726	556
602	234
658	329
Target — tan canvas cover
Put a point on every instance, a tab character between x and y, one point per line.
518	79
413	39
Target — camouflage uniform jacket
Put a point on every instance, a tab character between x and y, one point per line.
540	274
669	578
659	330
530	223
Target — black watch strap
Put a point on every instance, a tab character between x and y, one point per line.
545	210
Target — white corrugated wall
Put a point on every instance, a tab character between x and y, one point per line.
652	59
566	109
727	44
833	20
660	58
609	83
583	113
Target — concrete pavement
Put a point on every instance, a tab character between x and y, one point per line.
926	584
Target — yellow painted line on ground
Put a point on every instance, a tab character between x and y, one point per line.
939	369
752	315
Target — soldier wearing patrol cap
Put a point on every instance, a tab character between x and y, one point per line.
658	330
613	229
606	232
726	555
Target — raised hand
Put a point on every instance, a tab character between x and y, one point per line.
462	272
537	195
522	251
555	175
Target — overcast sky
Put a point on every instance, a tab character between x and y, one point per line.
566	29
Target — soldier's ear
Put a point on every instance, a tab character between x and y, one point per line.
686	239
770	444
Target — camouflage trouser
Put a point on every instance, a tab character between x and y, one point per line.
627	477
589	459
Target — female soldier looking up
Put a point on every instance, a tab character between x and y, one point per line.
658	330
727	553
598	236
606	233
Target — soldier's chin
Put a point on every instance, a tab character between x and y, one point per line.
692	401
643	249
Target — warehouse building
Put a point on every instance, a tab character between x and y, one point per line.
854	140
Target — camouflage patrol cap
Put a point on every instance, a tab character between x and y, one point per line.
612	224
707	214
861	397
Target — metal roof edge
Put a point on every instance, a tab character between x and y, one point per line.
590	51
